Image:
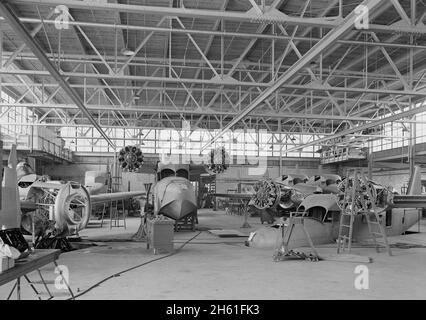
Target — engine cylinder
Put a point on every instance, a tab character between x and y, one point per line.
268	194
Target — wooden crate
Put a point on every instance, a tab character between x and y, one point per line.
160	235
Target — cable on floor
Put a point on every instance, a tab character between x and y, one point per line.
135	267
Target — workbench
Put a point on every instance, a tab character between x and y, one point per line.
36	260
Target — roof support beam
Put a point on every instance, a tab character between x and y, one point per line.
216	25
199	49
273	17
401	11
391	62
374	123
374	27
266	17
17	26
156	110
232	84
140	46
328	40
22	46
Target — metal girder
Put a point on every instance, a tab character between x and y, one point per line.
372	15
139	47
373	27
327	41
401	11
249	46
391	62
232	83
272	16
359	83
396	84
22	46
373	123
232	70
199	49
210	90
207	49
17	26
153	109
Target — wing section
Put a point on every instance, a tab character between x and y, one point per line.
246	196
106	197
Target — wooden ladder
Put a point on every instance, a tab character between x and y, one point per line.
116	182
114	214
375	226
349	210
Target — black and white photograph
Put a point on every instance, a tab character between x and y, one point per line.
212	158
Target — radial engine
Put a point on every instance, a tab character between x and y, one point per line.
67	204
270	194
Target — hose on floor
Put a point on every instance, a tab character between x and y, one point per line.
135	267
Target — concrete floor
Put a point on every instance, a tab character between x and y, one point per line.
223	268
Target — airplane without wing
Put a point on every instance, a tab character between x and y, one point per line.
318	199
67	204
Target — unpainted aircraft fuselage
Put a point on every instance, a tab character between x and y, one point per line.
174	195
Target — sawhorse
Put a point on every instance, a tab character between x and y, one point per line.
283	252
35	261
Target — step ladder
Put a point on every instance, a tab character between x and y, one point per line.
283	251
347	215
104	212
116	182
213	191
114	214
375	227
354	204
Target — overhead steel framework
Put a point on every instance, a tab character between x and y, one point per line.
283	66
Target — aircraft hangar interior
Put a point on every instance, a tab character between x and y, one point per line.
212	149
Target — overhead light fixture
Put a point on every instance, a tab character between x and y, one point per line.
127	52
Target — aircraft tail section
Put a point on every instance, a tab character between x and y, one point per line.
415	182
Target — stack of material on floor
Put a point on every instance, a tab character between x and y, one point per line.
228	233
160	234
8	255
6	263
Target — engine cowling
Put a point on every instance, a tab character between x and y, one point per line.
72	207
67	204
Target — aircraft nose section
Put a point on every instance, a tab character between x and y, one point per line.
178	209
